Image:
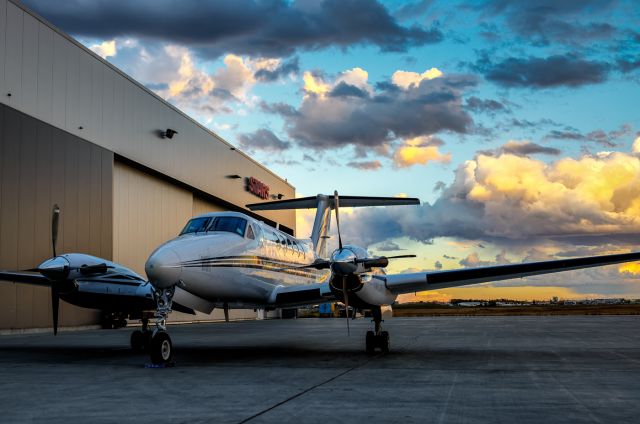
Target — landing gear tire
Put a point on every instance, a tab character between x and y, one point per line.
138	341
383	342
161	348
380	341
370	342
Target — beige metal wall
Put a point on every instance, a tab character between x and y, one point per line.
148	211
57	80
39	166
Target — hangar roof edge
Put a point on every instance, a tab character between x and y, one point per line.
22	6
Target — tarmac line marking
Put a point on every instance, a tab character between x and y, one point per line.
297	395
576	400
443	415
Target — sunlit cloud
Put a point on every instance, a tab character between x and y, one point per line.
104	49
406	79
314	85
419	151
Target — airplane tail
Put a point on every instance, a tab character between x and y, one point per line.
323	205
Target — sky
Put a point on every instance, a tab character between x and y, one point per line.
516	123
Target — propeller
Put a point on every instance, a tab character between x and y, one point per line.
343	262
345	295
57	269
55	294
54	228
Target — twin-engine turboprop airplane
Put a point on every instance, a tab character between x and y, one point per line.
95	283
230	260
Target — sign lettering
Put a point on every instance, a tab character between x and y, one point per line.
257	188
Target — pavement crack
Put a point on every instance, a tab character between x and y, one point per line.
307	390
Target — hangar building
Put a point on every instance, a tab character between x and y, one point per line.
78	132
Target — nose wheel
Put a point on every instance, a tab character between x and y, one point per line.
377	339
161	348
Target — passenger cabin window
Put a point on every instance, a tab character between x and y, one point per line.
196	225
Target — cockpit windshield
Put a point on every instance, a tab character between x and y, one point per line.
196	225
229	224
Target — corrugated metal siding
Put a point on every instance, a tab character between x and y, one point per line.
41	165
60	82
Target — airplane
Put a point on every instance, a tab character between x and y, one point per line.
231	260
95	283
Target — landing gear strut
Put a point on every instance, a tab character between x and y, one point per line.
377	339
160	346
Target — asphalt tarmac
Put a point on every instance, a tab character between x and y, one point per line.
562	369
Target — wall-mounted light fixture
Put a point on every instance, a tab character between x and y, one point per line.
277	196
169	133
233	176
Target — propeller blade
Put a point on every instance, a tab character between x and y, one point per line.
381	262
337	206
55	303
319	264
400	256
346	303
54	228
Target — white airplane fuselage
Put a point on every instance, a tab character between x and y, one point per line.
242	269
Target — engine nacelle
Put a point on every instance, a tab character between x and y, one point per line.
364	291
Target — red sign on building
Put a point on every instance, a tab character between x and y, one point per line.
258	188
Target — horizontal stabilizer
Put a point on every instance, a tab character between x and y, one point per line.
345	201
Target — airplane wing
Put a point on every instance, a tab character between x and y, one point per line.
25	277
424	281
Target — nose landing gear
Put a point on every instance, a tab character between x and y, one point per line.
160	346
377	339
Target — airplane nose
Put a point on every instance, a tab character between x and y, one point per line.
163	268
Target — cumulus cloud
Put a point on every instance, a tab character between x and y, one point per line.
479	105
406	79
347	110
104	49
388	246
550	72
524	148
473	260
264	140
278	70
628	64
419	151
243	27
544	21
509	200
635	148
372	165
607	139
173	73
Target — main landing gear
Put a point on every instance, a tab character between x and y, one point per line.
377	339
160	346
140	339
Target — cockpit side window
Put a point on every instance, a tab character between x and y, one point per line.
250	234
196	225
